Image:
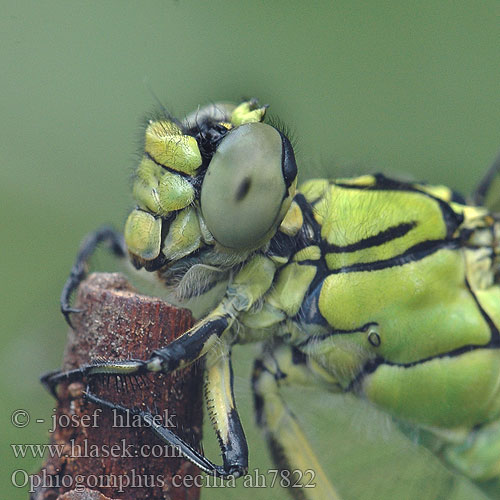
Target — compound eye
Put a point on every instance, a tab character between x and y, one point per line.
244	186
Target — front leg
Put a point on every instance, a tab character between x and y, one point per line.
248	286
167	436
183	351
175	354
78	272
206	337
222	410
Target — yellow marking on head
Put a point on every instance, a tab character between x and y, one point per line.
184	235
245	113
166	144
160	190
143	234
293	220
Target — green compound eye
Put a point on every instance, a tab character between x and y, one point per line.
245	185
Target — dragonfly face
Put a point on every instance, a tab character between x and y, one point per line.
209	192
382	288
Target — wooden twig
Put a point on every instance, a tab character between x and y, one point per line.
104	451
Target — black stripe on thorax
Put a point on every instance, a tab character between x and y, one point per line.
451	218
380	238
331	333
495	334
372	365
494	343
412	254
309	311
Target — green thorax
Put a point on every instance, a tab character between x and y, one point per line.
371	250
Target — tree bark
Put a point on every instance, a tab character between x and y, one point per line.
104	451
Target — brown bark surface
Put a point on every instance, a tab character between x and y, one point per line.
104	451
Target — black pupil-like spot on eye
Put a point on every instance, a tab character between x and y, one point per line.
243	188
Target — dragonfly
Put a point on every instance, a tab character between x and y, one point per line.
384	289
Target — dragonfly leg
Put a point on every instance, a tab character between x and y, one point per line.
202	339
222	410
183	351
165	434
289	446
78	272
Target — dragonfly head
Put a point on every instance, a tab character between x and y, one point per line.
215	186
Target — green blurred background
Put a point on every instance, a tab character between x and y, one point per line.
409	88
